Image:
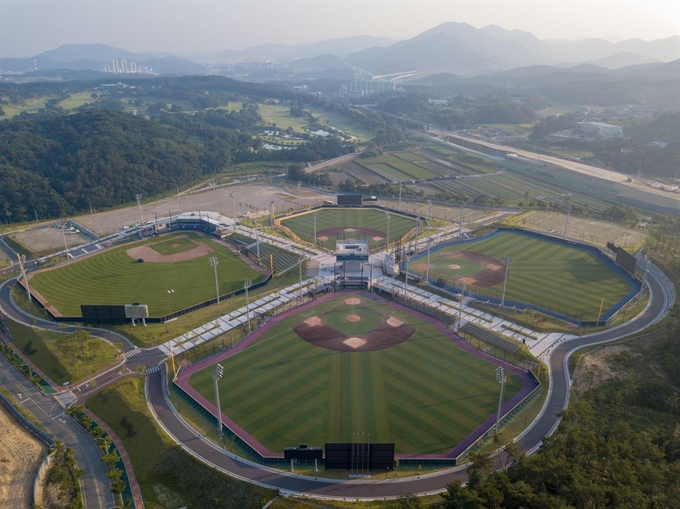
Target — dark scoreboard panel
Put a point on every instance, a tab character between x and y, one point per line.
303	453
349	200
359	456
108	315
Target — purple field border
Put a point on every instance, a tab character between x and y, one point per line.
185	375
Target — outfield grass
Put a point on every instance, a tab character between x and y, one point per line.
303	225
424	394
549	274
113	277
168	477
42	349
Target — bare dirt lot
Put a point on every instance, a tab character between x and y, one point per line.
20	457
594	369
248	199
588	230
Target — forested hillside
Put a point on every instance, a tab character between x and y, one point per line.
58	165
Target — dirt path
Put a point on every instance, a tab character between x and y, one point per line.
20	457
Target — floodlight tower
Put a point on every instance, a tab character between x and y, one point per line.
219	371
316	214
500	378
233	209
427	272
508	260
247	284
213	263
463	288
566	224
388	230
138	197
299	196
400	196
302	257
429	215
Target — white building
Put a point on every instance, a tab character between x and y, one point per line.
600	129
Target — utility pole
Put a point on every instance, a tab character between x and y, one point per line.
138	197
219	371
500	378
508	260
213	263
233	209
247	284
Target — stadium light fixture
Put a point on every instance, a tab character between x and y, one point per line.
387	246
219	371
463	288
138	197
500	378
316	214
213	263
508	260
233	209
247	284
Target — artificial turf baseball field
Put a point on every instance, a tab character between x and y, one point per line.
115	277
550	274
421	390
349	223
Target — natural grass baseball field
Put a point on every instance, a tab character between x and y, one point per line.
113	277
303	225
424	394
549	274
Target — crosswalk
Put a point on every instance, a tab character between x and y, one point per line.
152	370
131	353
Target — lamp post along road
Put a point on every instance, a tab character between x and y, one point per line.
219	371
213	263
247	284
500	378
508	260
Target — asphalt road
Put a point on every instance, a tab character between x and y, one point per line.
558	398
46	409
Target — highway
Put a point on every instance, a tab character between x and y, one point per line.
529	441
47	410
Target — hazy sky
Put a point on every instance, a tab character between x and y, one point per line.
28	27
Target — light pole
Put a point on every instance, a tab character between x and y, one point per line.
405	278
508	260
387	246
247	284
427	272
566	224
463	288
213	263
315	216
63	234
500	378
429	215
301	258
170	292
219	371
233	209
400	196
138	197
299	196
257	243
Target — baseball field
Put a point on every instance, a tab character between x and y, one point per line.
168	273
353	363
553	275
351	224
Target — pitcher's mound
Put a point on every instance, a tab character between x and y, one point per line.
352	301
353	318
453	266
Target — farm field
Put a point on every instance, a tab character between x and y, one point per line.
561	278
117	277
348	223
296	385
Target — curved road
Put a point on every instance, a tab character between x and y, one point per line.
546	423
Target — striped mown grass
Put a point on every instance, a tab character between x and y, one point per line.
113	277
303	225
554	276
424	394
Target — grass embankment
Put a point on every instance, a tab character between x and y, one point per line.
63	357
158	333
29	306
116	277
168	477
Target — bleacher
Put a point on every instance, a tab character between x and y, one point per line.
282	259
489	337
